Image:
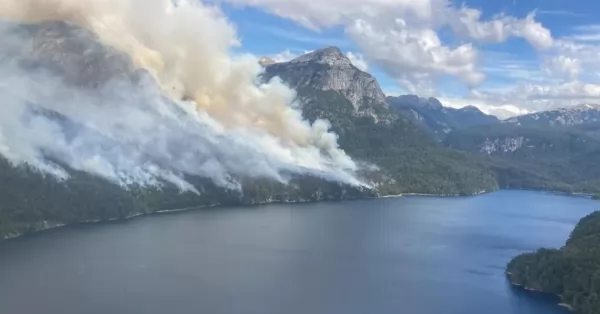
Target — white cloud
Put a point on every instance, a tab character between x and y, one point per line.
401	36
562	66
414	56
466	22
288	55
358	61
284	56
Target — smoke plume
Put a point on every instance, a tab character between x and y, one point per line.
193	109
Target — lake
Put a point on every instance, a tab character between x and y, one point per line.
409	255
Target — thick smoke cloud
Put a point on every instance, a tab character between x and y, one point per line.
217	120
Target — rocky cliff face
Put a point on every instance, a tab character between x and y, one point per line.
564	117
437	119
505	145
328	69
398	155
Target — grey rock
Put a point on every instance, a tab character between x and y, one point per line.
328	69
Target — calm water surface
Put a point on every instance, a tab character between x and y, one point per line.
399	255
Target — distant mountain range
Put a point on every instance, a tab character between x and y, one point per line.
552	150
434	117
431	115
404	144
329	70
564	117
409	159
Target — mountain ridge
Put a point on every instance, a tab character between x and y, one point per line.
369	130
436	118
562	117
333	71
34	200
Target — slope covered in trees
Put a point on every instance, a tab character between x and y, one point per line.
408	159
535	158
32	201
572	271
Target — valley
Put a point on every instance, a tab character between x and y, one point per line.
310	157
402	144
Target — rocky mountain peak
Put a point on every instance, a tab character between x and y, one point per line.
332	56
416	101
328	69
470	109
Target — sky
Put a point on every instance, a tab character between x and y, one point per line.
506	57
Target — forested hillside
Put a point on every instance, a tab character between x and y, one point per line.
536	158
32	201
408	158
392	153
432	116
73	66
572	271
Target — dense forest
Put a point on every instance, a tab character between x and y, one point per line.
33	201
573	271
565	160
395	155
407	157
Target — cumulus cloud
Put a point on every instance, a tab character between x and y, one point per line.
467	22
562	66
284	56
358	61
287	55
216	122
401	36
414	56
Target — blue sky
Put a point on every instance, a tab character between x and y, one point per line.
509	57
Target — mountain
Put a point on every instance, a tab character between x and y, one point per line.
33	200
329	87
437	119
329	70
394	154
530	157
573	271
564	117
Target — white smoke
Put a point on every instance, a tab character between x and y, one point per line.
218	122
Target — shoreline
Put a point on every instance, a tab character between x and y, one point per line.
99	221
520	286
55	226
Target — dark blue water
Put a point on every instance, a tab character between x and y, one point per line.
404	255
